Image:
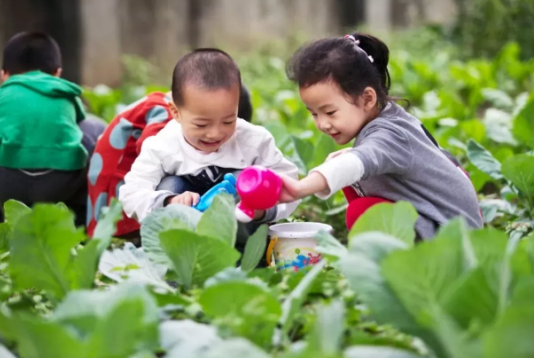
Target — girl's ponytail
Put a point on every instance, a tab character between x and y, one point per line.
380	54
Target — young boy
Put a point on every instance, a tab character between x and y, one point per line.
42	126
111	161
205	141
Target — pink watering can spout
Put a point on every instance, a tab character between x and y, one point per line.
259	189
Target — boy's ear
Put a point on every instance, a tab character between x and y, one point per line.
370	98
4	75
58	72
174	111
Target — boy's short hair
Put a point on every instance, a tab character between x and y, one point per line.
31	51
207	68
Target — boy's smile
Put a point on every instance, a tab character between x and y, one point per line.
208	117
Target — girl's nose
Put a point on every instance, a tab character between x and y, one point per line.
324	124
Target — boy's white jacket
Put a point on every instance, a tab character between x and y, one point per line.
167	153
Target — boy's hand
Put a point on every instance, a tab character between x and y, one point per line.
259	214
188	199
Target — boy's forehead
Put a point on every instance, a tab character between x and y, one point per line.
195	95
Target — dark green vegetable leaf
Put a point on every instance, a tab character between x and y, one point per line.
196	258
377	352
186	338
523	127
91	324
41	254
164	219
14	210
483	160
106	226
396	219
236	347
246	309
255	249
519	170
219	220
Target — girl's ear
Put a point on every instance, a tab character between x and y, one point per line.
370	99
174	111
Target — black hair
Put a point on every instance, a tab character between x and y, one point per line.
245	109
352	66
208	68
31	51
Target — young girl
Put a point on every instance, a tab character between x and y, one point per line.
344	82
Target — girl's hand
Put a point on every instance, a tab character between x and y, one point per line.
188	199
337	154
291	189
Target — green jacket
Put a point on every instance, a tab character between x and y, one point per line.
39	116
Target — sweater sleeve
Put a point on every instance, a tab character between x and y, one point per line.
271	157
383	150
138	195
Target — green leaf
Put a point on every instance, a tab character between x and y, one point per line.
498	98
499	126
255	249
246	309
219	220
511	336
236	347
376	245
377	352
329	246
5	232
119	322
106	226
519	170
327	334
227	275
34	338
14	210
363	272
456	342
323	148
483	160
164	219
196	258
523	127
186	338
41	252
82	269
396	219
295	299
132	264
422	277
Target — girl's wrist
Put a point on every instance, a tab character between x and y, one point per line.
314	183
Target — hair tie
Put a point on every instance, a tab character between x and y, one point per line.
357	44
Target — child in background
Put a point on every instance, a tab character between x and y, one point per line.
120	145
205	141
344	83
45	140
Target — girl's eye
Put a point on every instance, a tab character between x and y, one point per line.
228	123
331	113
314	114
201	125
